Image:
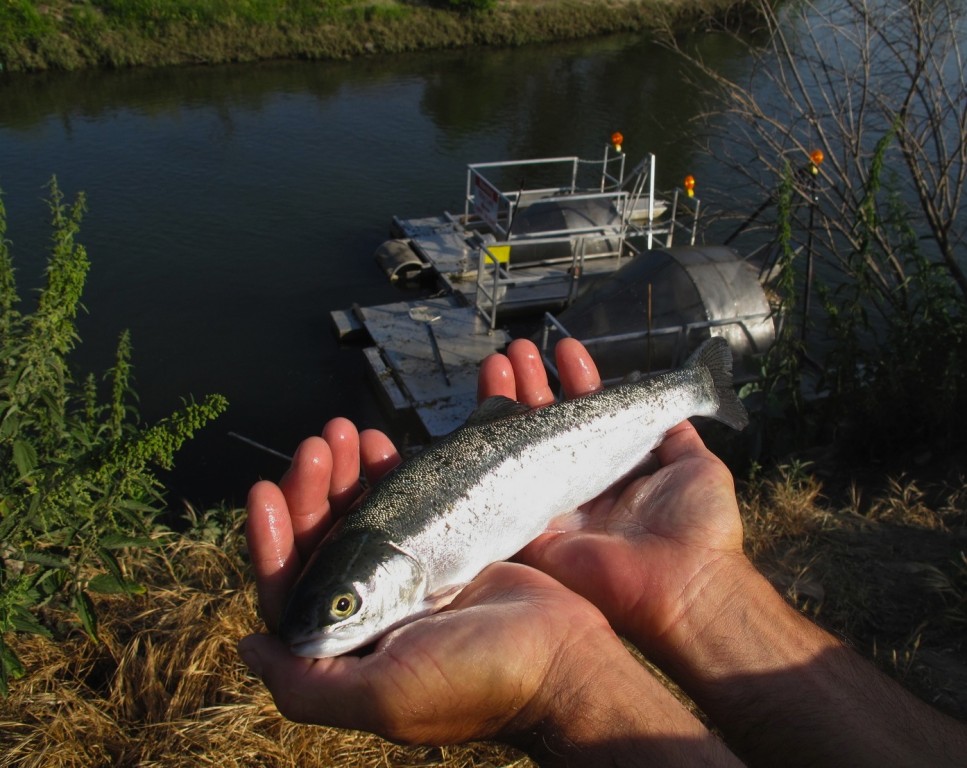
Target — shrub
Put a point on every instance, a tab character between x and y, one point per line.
879	90
78	491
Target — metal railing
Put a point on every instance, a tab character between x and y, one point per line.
493	278
496	209
681	334
485	199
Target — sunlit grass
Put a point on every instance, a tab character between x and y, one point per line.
883	568
65	34
166	687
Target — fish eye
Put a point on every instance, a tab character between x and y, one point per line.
343	605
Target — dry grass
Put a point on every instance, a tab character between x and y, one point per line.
885	569
165	685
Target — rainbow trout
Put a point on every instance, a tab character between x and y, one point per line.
482	493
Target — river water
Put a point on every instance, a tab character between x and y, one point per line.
231	208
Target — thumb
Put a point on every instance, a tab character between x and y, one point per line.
253	649
283	673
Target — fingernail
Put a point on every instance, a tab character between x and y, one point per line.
250	656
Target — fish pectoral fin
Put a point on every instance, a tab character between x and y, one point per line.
442	597
575	520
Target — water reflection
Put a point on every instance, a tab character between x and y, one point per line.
232	207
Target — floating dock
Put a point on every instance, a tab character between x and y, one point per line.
533	235
425	356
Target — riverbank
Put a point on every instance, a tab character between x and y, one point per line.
165	685
68	35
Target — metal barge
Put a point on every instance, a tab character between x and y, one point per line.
588	239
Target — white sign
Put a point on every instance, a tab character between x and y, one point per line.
486	200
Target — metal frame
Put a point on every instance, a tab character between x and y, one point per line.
682	331
492	274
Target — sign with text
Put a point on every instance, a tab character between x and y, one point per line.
486	201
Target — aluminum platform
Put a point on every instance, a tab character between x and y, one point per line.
425	357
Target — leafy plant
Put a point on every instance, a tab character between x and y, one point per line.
877	92
78	491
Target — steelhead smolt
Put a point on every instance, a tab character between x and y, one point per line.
482	493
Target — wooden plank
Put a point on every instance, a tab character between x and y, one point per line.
441	418
447	250
382	376
345	324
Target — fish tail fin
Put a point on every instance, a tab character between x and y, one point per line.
716	355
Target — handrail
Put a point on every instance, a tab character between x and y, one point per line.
499	203
673	221
488	297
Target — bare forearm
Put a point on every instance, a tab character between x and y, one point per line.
622	716
784	691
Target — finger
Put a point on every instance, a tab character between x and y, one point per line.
343	440
529	374
272	550
338	692
579	375
377	453
496	377
306	490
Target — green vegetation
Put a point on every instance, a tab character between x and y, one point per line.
64	34
78	494
881	217
864	531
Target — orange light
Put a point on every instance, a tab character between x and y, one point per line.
617	139
816	158
689	184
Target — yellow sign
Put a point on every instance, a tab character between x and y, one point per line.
500	252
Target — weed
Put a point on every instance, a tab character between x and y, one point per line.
78	493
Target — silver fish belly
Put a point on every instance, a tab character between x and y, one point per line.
484	492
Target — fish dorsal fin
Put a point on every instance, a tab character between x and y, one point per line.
496	408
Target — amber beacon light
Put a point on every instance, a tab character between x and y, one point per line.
816	158
689	185
617	139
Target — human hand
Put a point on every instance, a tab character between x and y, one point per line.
286	521
516	651
662	558
499	662
659	548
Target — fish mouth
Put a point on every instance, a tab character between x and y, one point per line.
311	649
325	646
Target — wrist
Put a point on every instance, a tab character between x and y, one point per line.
734	623
775	684
609	710
683	635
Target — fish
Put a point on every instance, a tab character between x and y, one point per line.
483	492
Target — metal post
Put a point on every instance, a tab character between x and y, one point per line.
807	288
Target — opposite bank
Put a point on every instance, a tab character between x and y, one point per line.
65	35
